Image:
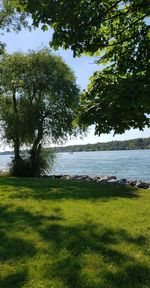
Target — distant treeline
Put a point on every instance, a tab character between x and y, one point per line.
7	153
133	144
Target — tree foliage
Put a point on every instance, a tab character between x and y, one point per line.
39	98
116	102
118	32
12	18
91	26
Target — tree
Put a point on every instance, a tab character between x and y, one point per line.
116	102
118	32
39	98
11	18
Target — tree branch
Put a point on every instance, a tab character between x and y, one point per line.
117	15
137	20
124	13
113	6
128	38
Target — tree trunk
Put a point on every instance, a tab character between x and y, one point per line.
17	157
35	153
17	149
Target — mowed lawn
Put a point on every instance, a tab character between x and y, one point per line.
63	234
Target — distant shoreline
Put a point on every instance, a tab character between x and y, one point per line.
133	144
7	153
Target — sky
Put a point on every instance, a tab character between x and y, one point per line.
83	68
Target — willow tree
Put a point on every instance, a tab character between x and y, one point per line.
118	33
38	102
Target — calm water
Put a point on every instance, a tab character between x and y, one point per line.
133	164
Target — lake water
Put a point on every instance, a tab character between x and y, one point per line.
131	164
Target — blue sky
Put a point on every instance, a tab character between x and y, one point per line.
83	68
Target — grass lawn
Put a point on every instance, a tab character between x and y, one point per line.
64	234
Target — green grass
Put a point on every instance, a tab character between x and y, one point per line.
64	234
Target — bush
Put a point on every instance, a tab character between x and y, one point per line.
44	163
23	168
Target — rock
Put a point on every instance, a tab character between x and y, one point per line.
112	177
96	178
132	182
88	179
85	177
123	181
80	177
76	177
67	177
105	179
58	176
143	185
113	181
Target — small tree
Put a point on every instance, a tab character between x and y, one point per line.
39	101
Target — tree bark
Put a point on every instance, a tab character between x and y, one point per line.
17	158
35	153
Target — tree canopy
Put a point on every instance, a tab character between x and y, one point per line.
39	98
116	102
11	19
118	33
118	28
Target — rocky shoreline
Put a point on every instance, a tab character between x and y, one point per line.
103	179
98	179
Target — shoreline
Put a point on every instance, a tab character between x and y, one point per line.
102	180
97	179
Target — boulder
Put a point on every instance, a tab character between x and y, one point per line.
132	182
88	179
113	181
58	176
123	181
105	179
143	185
67	177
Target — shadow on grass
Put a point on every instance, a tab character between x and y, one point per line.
84	256
13	250
15	280
22	217
87	256
13	247
49	189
